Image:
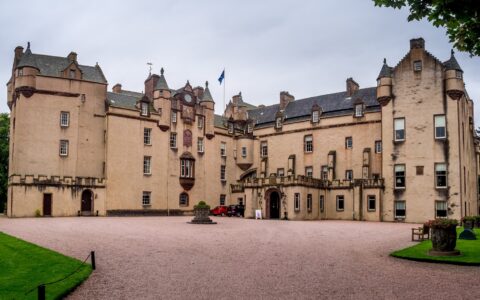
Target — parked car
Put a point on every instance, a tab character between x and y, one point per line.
220	210
236	210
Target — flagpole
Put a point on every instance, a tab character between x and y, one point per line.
224	84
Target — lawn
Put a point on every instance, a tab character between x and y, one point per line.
24	266
470	252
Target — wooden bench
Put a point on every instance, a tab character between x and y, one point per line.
421	233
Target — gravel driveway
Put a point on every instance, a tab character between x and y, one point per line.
165	258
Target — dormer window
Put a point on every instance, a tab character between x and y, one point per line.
249	128
230	128
278	122
358	110
72	73
315	116
417	65
458	74
144	108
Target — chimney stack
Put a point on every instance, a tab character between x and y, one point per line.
18	52
72	56
150	84
417	43
117	88
285	98
352	87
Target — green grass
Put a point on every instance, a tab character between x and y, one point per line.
469	252
24	266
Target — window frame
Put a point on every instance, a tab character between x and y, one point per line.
244	152
404	177
358	110
378	146
395	130
296	202
147	136
147	165
223	149
417	66
200	145
67	116
342	199
173	140
309	169
348	142
308	143
370	199
442	175
64	145
263	145
321	204
144	109
437	209
396	216
309	202
200	122
458	74
435	127
223	173
347	173
315	116
187	168
223	199
282	172
173	116
278	122
324	172
185	201
146	198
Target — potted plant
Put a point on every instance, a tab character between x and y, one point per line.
201	212
444	237
468	222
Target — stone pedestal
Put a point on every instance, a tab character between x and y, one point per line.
202	216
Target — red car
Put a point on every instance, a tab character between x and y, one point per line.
220	210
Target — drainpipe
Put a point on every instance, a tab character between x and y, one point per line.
353	212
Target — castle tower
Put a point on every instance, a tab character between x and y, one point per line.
209	109
162	102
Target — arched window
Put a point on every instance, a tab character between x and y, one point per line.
183	200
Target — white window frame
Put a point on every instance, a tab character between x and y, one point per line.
173	116
146	198
278	122
223	173
438	120
147	136
308	143
340	199
64	145
147	165
280	172
315	116
173	140
324	171
439	168
417	65
349	142
358	110
309	171
249	128
296	201
223	149
400	168
186	168
378	146
349	175
64	119
144	108
439	204
399	126
398	205
263	149
200	122
200	145
458	74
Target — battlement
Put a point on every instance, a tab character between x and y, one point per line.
54	180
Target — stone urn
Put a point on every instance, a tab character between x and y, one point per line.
201	212
444	237
468	222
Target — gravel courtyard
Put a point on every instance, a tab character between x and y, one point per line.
164	258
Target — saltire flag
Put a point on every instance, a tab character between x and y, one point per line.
222	77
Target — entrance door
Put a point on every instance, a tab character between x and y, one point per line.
47	204
274	205
86	202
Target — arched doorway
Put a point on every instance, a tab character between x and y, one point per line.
274	205
87	202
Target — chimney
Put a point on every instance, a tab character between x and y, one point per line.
150	84
285	98
18	52
72	56
417	43
117	88
352	87
237	98
198	92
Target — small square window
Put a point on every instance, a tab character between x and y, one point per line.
340	203
280	172
458	74
348	143
63	147
146	198
417	65
372	202
309	171
64	119
183	199
349	175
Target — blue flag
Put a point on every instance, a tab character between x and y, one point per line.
222	77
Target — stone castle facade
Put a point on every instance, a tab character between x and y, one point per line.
404	150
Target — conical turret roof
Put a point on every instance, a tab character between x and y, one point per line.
207	96
162	82
386	71
28	60
452	63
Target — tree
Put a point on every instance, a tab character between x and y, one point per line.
461	18
4	133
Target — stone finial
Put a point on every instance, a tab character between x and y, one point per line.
28	45
206	84
162	71
452	52
385	61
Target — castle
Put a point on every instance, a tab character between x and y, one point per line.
404	150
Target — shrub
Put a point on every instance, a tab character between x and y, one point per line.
37	213
202	204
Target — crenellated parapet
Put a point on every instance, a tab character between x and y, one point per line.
59	181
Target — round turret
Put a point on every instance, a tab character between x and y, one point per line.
454	84
384	84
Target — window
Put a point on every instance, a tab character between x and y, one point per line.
186	168
72	74
183	199
399	127
315	116
200	148
349	175
147	136
440	129
263	149
378	146
348	142
63	147
441	175
144	107
322	203
399	176
230	128
147	165
249	128
309	171
173	140
359	110
340	203
400	210
372	202
146	198
278	122
280	172
324	174
222	199
309	202
244	152
223	149
296	203
222	173
458	74
440	209
64	119
308	144
417	65
20	72
200	122
419	170
174	117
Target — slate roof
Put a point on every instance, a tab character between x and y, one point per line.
331	104
125	99
162	82
218	121
452	63
54	65
386	71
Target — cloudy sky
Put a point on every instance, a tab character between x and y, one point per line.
308	48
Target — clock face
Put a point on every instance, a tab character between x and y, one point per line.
188	98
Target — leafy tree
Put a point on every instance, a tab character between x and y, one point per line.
461	18
4	132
